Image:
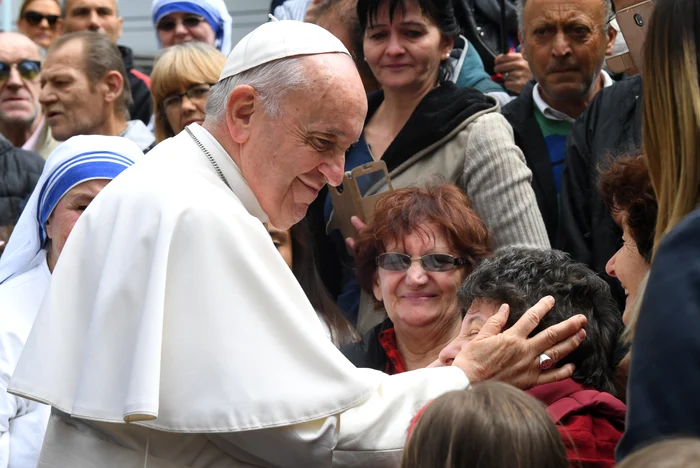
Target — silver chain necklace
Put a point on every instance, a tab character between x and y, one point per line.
209	157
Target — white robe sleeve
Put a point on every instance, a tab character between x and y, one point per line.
371	434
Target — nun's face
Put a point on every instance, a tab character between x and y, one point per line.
66	214
180	27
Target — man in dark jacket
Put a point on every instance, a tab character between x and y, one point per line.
19	172
566	61
103	16
611	127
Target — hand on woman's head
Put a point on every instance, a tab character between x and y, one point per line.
511	356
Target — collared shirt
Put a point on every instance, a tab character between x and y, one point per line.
33	141
553	114
395	363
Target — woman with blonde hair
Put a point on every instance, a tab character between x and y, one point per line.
665	370
180	83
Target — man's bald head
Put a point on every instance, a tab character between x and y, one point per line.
17	41
19	92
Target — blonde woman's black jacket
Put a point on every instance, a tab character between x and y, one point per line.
610	127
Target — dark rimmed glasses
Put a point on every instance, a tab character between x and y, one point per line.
394	261
196	93
28	69
35	18
168	24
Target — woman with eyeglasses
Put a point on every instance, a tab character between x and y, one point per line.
180	21
180	84
40	21
414	254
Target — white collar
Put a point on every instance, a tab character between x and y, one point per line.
553	114
232	173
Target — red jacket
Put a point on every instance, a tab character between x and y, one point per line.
590	422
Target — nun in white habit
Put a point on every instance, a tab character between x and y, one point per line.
174	335
74	173
178	21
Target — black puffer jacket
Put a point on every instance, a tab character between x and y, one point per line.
369	353
610	127
19	173
140	84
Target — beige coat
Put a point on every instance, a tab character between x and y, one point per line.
481	158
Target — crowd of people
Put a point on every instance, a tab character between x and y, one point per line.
176	289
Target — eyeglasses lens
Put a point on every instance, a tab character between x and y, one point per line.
188	22
28	69
401	262
438	262
35	18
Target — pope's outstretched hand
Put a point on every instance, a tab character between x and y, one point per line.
511	356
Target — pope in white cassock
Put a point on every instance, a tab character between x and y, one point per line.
174	335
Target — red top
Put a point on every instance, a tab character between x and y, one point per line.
590	422
394	363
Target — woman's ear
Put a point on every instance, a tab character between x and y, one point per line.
377	288
447	44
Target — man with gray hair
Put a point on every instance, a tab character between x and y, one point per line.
174	334
85	90
565	43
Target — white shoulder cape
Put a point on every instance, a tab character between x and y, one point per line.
171	307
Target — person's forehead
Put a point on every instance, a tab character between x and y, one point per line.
178	14
44	6
13	50
333	97
73	4
67	58
563	11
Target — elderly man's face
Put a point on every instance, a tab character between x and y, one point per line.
288	160
19	95
72	105
93	15
565	43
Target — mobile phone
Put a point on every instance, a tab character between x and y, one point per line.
633	18
348	200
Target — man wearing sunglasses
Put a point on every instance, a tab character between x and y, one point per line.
21	118
102	16
19	110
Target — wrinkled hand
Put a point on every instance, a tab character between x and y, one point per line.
515	71
512	357
360	226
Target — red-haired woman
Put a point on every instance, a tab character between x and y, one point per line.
414	254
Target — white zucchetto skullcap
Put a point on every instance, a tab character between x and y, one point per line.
277	40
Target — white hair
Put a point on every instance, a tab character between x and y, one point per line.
607	17
271	82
